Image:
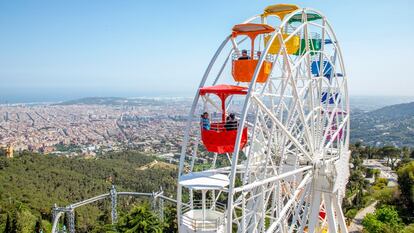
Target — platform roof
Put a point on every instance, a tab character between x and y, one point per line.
204	180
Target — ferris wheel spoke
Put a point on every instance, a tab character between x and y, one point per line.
282	127
283	87
337	132
330	122
259	197
294	128
300	95
289	203
299	212
271	179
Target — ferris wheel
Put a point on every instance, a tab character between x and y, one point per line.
266	145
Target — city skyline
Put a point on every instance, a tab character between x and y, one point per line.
53	51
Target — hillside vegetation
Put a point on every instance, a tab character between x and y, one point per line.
391	125
31	183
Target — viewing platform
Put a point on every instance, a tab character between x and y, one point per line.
206	216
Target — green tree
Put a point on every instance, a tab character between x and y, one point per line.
405	156
409	229
38	181
392	154
39	226
406	182
25	221
372	224
140	219
390	216
108	228
170	219
385	219
10	224
357	185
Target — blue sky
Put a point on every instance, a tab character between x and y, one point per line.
67	49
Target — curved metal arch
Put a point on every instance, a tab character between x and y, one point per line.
250	95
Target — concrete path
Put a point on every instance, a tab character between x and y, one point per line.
356	224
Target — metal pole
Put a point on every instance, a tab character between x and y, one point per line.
161	207
203	196
71	220
114	197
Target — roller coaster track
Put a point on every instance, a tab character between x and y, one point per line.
57	212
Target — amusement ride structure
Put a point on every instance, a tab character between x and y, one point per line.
266	146
59	213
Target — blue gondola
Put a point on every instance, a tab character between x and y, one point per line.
332	97
327	69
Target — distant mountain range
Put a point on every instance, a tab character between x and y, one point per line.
397	111
370	103
96	100
393	125
119	101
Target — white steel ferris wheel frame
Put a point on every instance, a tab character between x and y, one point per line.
295	166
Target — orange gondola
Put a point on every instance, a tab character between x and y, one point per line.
243	70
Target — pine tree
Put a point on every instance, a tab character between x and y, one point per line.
140	219
10	224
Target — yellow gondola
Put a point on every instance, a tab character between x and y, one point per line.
293	43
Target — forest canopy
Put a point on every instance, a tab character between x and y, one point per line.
31	183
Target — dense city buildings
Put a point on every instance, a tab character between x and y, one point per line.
154	125
88	127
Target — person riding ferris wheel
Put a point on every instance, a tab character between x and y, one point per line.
270	152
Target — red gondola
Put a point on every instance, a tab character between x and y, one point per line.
218	139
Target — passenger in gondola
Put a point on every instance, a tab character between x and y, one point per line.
231	122
205	121
244	55
259	53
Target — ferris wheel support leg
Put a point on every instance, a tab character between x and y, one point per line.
305	216
340	215
315	207
330	213
230	203
179	192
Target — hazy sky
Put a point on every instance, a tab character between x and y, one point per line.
134	48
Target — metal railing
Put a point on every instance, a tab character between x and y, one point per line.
210	205
205	223
269	57
217	123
